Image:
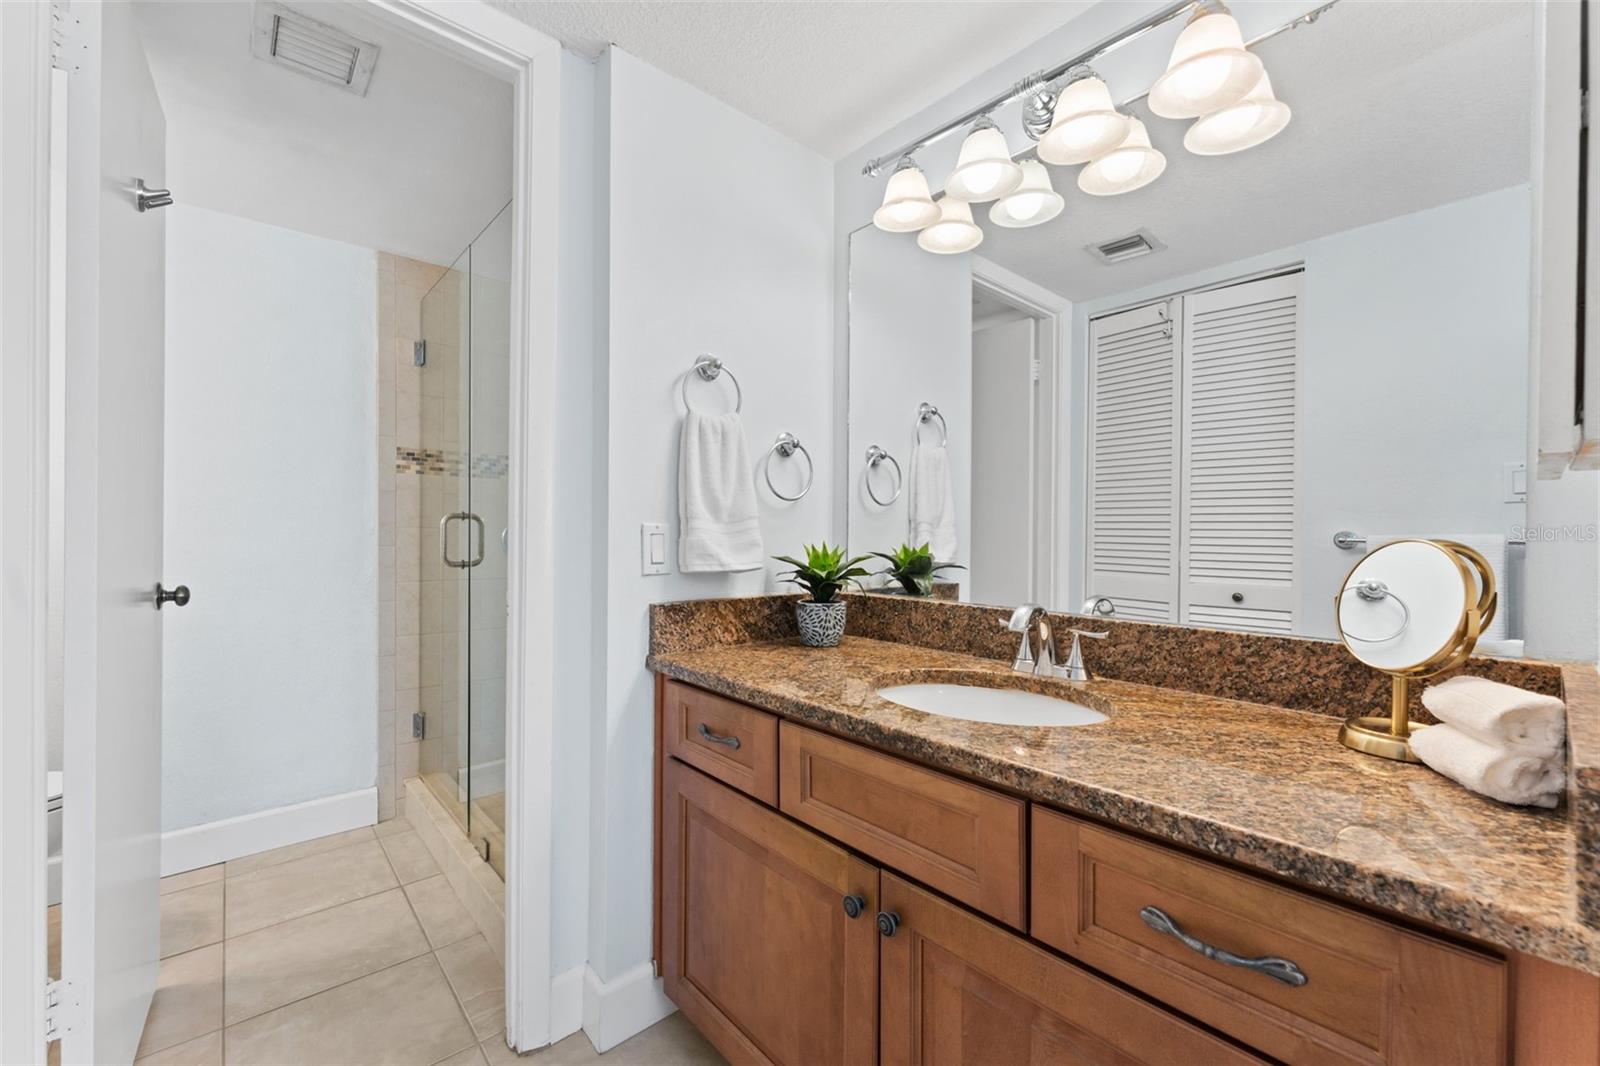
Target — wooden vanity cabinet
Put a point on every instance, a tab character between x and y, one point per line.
758	949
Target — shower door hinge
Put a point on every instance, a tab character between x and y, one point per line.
419	722
61	1007
419	353
67	49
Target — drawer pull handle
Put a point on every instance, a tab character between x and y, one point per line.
888	922
714	738
854	905
1274	967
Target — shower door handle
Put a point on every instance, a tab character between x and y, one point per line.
444	540
478	558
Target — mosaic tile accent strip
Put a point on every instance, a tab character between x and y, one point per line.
449	462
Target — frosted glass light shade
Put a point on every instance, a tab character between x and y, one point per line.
1033	202
1259	117
984	170
954	232
907	206
1209	69
1084	124
1129	166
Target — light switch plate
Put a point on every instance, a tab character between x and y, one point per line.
653	548
1516	479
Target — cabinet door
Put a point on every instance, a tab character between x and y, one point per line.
759	950
957	989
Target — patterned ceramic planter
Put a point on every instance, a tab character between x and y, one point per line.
821	624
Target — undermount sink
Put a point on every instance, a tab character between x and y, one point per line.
998	706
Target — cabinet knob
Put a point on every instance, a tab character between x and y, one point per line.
1238	597
854	905
888	922
178	596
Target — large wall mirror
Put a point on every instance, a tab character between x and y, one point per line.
1175	398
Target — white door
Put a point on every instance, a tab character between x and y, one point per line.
1133	463
1003	423
112	555
1240	361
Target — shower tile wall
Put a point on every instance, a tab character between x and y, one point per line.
417	424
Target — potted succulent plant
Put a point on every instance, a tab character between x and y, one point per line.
914	568
824	572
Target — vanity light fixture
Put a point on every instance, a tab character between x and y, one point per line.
1131	165
907	205
1085	124
1210	68
1259	117
954	232
984	170
1035	201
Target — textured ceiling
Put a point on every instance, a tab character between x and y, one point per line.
1398	107
828	73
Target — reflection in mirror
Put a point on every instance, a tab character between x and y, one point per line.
1176	397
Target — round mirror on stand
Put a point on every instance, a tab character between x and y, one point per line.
1411	608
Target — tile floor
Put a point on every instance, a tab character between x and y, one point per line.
347	949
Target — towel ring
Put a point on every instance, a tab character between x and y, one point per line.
876	455
786	445
709	367
1377	592
926	413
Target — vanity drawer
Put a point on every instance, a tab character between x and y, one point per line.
735	744
961	839
1375	992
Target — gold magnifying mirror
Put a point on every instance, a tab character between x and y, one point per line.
1411	608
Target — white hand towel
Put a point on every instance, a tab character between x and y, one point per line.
1508	776
719	529
930	503
1498	714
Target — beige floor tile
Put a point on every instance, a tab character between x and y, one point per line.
188	1001
392	827
409	857
282	963
473	1056
574	1050
201	1051
191	878
288	853
403	1015
479	982
301	886
443	917
670	1042
191	918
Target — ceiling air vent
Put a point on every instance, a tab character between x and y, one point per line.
1124	248
312	48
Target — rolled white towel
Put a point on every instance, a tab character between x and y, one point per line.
1500	714
1508	776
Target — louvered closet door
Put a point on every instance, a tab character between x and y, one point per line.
1241	357
1133	462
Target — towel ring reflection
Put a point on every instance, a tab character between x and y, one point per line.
709	367
1377	592
785	446
876	455
926	413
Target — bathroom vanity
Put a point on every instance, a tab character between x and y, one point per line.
1197	878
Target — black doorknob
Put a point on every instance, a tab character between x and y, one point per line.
854	905
178	596
888	922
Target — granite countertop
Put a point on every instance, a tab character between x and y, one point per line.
1262	786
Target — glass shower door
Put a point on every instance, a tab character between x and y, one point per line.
465	445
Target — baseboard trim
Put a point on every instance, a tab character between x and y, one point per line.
566	1003
617	1009
232	838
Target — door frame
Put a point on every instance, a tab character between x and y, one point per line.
1053	314
501	45
25	59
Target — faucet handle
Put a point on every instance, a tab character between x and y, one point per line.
1075	668
1085	633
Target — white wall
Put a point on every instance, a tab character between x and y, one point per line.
1413	378
270	676
910	340
717	238
1003	500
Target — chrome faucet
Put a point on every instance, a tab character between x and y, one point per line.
1025	620
1075	670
